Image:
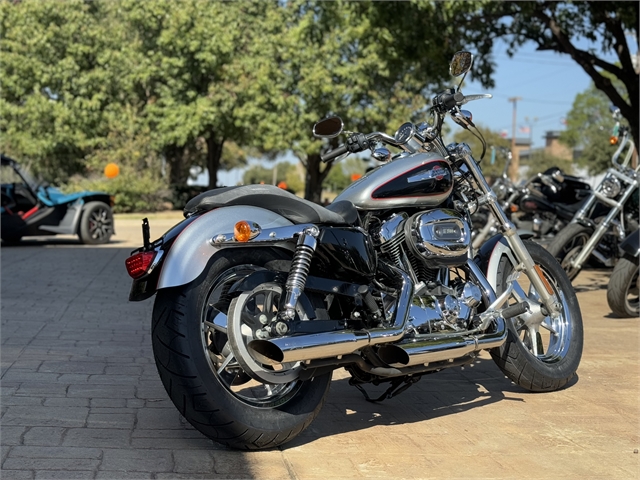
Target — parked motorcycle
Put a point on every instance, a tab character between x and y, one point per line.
586	239
539	207
622	290
260	295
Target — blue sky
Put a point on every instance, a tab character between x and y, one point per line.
547	82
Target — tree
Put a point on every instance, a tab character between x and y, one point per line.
281	172
493	139
62	65
360	60
560	26
205	72
589	127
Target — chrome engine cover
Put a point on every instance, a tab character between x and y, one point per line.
439	237
432	314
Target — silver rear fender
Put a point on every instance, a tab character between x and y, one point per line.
193	248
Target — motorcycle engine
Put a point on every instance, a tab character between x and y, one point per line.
424	243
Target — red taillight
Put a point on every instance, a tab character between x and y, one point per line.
138	264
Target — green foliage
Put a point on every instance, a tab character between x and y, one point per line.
284	172
589	127
340	176
134	191
58	82
380	62
493	139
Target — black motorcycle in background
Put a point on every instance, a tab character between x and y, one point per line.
614	206
539	207
622	290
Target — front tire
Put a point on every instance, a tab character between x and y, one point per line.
622	291
196	359
532	356
567	244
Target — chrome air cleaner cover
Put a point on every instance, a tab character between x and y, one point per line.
439	237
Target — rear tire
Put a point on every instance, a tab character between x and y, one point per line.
622	291
567	244
192	352
541	368
96	224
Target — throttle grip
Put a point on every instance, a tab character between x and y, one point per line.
327	157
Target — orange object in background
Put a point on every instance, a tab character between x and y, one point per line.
355	176
111	170
282	185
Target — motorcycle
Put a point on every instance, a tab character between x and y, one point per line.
586	239
622	290
260	295
540	207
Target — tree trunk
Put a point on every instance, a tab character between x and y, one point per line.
314	177
214	154
178	173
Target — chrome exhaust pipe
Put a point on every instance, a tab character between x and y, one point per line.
429	350
334	344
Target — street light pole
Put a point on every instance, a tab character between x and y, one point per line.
515	157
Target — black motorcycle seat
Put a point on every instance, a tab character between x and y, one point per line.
277	200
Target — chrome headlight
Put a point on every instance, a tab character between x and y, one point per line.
610	187
500	191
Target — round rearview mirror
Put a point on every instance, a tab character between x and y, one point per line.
460	63
328	128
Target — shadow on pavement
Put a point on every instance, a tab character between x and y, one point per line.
442	394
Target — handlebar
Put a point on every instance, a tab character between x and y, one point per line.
625	141
327	157
443	102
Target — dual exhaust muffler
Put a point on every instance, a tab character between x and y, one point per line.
403	354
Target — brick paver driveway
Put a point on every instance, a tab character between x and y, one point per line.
81	397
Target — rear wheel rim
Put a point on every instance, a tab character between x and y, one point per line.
100	224
570	251
220	353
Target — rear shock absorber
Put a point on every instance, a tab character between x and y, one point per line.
307	242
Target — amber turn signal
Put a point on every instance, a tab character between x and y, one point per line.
242	231
613	140
513	208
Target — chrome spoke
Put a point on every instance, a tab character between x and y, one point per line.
226	362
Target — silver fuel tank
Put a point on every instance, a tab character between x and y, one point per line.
418	179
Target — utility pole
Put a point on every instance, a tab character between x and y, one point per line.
515	157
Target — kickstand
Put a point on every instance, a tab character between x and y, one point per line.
396	388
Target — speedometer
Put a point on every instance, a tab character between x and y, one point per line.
405	133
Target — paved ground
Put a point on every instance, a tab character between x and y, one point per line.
81	397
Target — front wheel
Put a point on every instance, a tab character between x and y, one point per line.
622	291
203	362
542	353
567	244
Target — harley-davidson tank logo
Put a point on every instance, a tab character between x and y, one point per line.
436	172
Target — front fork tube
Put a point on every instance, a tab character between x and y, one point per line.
617	207
516	244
